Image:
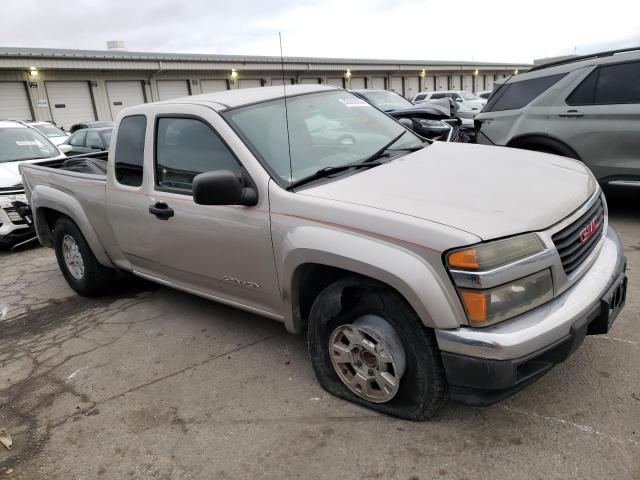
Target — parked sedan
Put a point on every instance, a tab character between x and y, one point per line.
435	120
89	140
99	124
463	97
49	130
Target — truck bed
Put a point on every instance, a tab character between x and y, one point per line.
68	189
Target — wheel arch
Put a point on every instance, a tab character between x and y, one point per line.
49	205
309	270
544	140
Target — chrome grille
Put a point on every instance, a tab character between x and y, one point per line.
568	242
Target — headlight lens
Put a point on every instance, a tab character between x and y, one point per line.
495	254
485	307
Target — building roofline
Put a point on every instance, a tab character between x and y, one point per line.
58	53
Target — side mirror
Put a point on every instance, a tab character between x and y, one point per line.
222	187
65	148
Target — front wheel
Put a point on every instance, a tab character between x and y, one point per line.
78	264
368	346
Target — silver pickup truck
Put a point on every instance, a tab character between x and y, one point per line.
419	270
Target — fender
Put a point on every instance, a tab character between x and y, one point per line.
44	196
429	292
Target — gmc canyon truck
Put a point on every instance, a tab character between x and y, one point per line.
419	270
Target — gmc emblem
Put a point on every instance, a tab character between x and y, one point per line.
589	231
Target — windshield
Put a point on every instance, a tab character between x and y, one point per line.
24	144
387	100
469	96
50	130
326	129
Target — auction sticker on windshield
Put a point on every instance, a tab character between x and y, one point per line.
353	102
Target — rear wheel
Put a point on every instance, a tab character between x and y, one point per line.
368	346
78	264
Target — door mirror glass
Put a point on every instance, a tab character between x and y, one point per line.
222	187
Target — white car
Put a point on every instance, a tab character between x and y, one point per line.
19	144
49	130
469	99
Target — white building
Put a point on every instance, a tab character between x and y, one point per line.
70	86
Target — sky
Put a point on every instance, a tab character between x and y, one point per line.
483	30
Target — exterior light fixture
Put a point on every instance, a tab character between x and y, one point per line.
423	73
33	71
234	73
515	72
348	74
476	72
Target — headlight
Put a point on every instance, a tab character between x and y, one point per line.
485	306
495	254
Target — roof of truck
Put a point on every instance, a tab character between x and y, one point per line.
245	96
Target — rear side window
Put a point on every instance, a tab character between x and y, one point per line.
518	94
420	97
129	157
186	147
438	95
611	84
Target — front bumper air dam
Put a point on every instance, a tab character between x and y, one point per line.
486	365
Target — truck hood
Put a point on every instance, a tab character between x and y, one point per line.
491	192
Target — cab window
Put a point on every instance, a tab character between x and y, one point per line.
186	147
129	157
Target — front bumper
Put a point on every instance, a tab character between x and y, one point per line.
488	364
14	227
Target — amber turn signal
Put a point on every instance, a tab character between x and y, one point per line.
466	259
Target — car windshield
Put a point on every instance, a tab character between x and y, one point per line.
387	101
106	137
24	144
50	130
327	129
469	96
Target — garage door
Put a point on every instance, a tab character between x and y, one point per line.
358	83
442	82
208	86
428	84
335	81
488	82
14	104
467	83
309	81
413	87
276	81
479	82
378	83
124	94
455	82
250	83
70	103
396	85
168	89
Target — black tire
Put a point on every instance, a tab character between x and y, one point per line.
423	387
97	279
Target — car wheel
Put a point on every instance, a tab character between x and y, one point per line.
78	264
368	346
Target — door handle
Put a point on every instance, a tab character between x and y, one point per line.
571	114
161	210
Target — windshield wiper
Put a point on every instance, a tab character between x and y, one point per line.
326	171
383	149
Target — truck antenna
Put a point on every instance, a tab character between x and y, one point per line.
286	111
